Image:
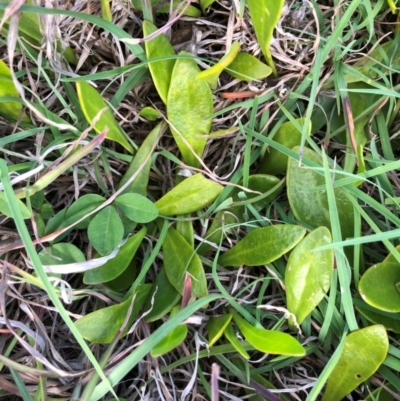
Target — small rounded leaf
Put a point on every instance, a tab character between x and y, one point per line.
364	351
137	208
378	288
263	245
248	68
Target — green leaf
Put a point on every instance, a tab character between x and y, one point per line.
189	107
308	273
137	208
101	326
230	335
162	299
91	103
269	341
173	339
161	71
105	231
150	113
180	257
263	245
82	206
364	351
141	163
9	109
205	3
384	296
312	208
216	327
211	74
265	15
61	254
275	162
116	266
5	208
190	195
248	68
257	182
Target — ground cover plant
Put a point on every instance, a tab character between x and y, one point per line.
198	200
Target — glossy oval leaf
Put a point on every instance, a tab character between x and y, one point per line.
275	162
91	103
116	266
264	16
82	206
216	327
179	258
263	245
173	339
363	353
308	273
161	71
141	163
189	107
248	68
5	208
137	208
312	208
102	325
61	254
211	74
105	231
162	299
269	341
386	295
150	113
190	195
230	335
9	109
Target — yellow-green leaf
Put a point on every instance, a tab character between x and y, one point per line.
190	195
91	103
189	107
230	335
211	75
308	273
216	327
363	353
161	71
263	245
265	15
248	68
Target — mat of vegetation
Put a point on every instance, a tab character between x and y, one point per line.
198	200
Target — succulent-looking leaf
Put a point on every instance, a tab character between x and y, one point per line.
180	257
312	207
263	245
308	273
189	107
216	327
275	162
102	325
105	231
379	286
211	74
137	208
162	298
190	195
92	103
116	266
150	113
173	339
248	68
265	15
161	71
364	351
230	335
269	341
9	109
